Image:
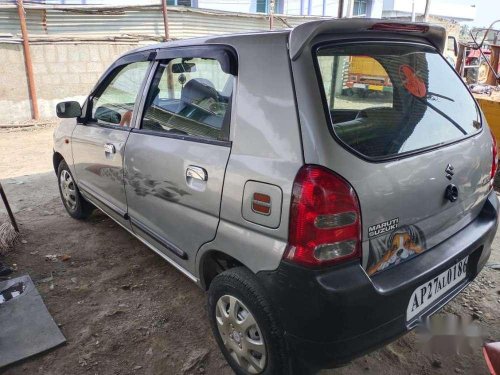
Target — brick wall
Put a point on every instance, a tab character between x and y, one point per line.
62	72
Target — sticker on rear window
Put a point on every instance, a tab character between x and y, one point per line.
412	82
381	228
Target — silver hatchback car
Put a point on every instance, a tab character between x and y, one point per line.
330	186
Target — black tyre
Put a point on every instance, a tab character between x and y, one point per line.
245	326
75	204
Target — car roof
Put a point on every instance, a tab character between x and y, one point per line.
211	39
303	34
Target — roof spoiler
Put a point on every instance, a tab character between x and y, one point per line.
303	34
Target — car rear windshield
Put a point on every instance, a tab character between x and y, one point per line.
388	99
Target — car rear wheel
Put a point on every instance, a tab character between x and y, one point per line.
75	204
244	324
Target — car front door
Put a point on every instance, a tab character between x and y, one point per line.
176	156
99	139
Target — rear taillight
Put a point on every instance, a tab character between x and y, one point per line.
494	164
325	220
401	27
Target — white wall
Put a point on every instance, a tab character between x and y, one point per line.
246	6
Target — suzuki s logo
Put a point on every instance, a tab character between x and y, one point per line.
449	171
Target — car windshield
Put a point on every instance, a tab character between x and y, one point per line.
390	99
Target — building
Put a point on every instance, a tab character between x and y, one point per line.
327	8
446	9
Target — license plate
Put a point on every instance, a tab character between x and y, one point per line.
431	291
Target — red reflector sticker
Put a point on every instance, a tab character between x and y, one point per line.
261	203
412	82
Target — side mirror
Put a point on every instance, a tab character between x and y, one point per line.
70	109
108	115
453	40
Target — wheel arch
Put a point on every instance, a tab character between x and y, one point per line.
56	160
213	262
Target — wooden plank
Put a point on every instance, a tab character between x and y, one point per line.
494	59
491	110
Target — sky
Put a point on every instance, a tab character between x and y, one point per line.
487	11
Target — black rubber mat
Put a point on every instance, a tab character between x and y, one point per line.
26	327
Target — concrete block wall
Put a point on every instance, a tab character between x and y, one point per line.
62	72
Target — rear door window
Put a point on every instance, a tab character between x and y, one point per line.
387	99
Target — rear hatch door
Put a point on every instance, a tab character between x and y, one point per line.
412	145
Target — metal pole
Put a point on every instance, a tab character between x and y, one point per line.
27	60
413	17
427	10
165	18
341	9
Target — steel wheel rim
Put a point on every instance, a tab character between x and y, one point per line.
241	334
68	189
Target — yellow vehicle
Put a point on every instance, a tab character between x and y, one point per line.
363	74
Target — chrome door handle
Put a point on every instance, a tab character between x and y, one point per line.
109	148
196	173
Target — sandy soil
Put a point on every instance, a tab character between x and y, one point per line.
124	310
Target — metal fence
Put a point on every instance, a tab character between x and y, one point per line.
48	21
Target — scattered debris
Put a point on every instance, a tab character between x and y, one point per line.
436	363
494	266
47	279
56	257
116	312
194	358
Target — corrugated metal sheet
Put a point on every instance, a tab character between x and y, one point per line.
9	21
183	22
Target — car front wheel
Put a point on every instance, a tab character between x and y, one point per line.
75	204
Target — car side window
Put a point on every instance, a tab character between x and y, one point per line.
114	103
189	96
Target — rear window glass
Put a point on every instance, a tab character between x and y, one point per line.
389	99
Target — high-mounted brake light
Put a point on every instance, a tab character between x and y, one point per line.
404	27
494	163
325	219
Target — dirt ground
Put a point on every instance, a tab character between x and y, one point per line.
124	310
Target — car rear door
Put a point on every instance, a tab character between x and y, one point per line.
98	141
176	156
413	147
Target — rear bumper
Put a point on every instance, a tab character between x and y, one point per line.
332	316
